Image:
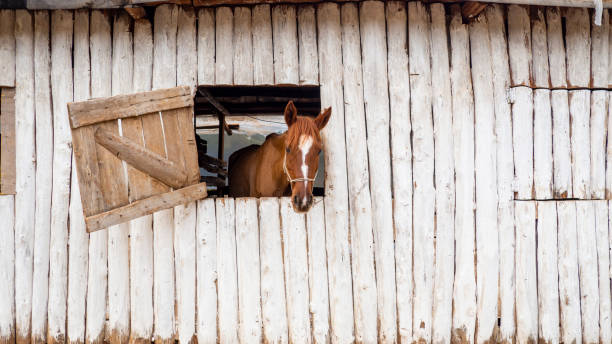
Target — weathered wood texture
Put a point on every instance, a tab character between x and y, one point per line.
7	141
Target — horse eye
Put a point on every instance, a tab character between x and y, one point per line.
287	150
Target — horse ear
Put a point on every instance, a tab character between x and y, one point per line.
323	118
290	113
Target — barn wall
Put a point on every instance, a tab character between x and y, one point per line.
467	173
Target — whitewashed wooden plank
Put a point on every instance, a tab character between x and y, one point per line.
247	259
44	168
317	272
243	46
307	31
227	279
487	242
526	274
263	59
444	178
224	45
578	47
360	203
522	133
206	46
562	158
164	76
598	124
464	292
185	271
569	292
273	306
284	33
25	187
101	86
423	168
373	52
600	51
186	55
336	205
587	270
556	48
7	272
609	151
7	48
519	45
539	48
610	57
603	264
548	291
206	247
141	229
401	157
542	144
118	237
295	258
505	170
579	110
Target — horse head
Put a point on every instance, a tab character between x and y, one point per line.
301	159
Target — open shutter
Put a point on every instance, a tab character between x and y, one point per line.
135	155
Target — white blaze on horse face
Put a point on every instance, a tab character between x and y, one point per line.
304	144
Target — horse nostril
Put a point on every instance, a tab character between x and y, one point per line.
309	199
296	200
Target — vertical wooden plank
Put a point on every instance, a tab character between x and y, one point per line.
185	267
44	175
569	293
263	65
609	151
505	170
206	46
25	187
598	135
360	203
519	45
423	168
7	273
247	259
603	264
243	46
206	247
118	240
487	242
579	111
539	48
78	240
186	55
401	157
317	272
373	37
526	282
587	270
548	292
284	28
464	292
336	206
444	178
141	230
273	306
295	257
7	48
227	280
164	76
578	48
101	86
224	45
307	31
556	48
600	51
7	141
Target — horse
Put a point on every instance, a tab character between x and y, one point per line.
285	164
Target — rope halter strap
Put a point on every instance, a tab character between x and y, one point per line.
295	180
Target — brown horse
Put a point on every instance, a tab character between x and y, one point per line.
284	164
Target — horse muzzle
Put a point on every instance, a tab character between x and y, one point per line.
302	204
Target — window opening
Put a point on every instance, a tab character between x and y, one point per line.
229	118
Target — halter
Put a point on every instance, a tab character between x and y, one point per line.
291	180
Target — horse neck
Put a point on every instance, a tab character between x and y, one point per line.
272	162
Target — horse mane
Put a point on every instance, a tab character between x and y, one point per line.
302	126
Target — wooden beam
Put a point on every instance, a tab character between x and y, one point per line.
136	12
146	206
142	159
222	111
